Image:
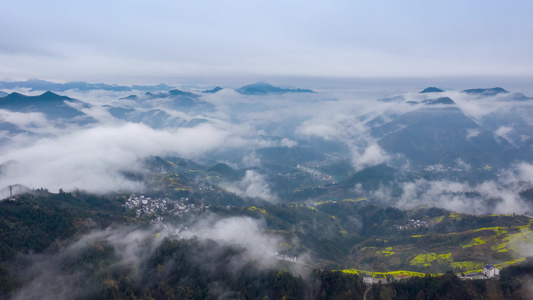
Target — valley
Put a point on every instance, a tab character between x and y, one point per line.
168	191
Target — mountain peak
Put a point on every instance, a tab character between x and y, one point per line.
49	94
431	89
14	95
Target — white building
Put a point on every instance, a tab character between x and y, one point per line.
368	280
490	271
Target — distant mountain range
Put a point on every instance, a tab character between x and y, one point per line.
434	130
480	92
497	91
261	88
440	136
439	132
172	93
175	99
42	85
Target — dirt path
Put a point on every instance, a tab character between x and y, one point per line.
366	292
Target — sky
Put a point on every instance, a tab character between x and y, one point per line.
160	41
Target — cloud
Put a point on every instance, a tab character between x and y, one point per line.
73	268
349	130
252	185
93	159
525	172
371	156
32	124
488	197
326	132
504	131
285	142
242	231
47	276
472	132
13	190
251	161
23	120
463	165
258	40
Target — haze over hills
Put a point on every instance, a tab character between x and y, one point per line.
439	135
266	150
337	179
42	85
455	130
244	247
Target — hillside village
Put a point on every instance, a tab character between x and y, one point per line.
413	224
147	206
317	175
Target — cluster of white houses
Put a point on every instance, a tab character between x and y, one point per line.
149	206
413	224
317	174
441	168
286	257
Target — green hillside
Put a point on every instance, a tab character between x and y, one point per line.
353	235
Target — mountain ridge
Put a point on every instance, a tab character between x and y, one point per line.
51	104
43	85
263	88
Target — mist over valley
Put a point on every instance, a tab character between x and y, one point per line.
195	191
427	147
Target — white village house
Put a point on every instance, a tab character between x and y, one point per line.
490	271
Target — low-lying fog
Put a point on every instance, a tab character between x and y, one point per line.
119	132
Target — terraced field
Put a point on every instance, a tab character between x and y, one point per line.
459	251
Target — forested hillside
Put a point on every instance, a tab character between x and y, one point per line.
50	241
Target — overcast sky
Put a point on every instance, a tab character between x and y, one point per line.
151	41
